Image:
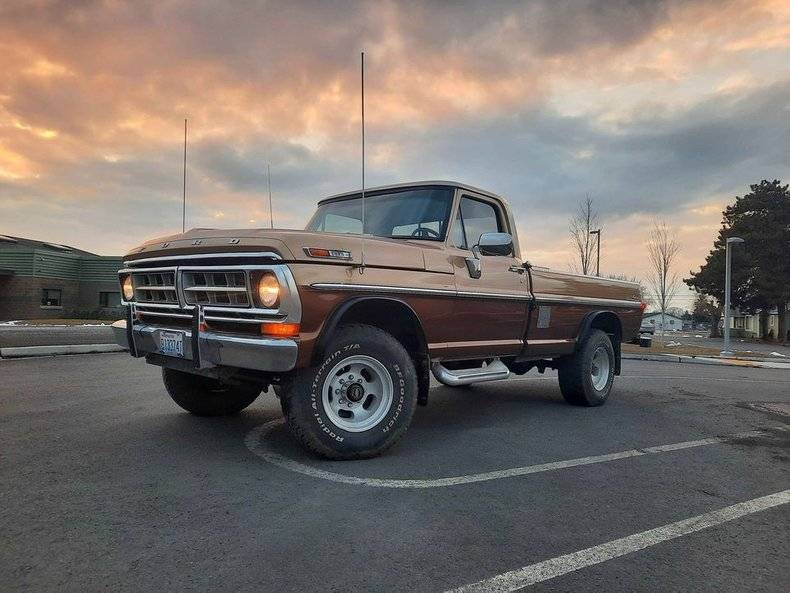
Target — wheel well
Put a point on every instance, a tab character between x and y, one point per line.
393	316
609	323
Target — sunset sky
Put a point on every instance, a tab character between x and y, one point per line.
663	109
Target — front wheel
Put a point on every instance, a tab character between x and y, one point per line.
586	377
204	396
358	401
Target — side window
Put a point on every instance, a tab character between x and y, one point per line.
478	217
109	299
51	297
458	238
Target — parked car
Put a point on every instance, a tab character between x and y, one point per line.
348	327
647	329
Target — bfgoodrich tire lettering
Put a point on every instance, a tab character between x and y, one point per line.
586	377
308	409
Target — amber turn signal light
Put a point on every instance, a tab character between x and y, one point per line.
280	330
327	253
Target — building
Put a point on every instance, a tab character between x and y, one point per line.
670	322
746	325
46	280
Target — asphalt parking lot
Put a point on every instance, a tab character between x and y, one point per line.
107	485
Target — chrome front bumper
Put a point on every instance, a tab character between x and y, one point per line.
213	349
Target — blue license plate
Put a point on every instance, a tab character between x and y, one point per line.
171	343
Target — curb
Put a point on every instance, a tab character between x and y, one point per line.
729	362
24	351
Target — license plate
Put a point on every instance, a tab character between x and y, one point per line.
171	343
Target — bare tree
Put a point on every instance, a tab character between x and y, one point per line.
585	220
644	294
662	249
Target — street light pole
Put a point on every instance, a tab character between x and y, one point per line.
727	285
598	260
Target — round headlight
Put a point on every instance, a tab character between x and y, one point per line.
128	289
268	290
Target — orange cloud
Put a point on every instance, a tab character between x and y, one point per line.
92	101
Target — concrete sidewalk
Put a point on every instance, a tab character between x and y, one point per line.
17	336
26	351
18	341
733	362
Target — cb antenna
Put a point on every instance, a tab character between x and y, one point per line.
269	180
362	85
184	185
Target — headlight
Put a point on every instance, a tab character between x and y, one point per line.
268	290
128	289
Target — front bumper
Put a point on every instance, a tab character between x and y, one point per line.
214	349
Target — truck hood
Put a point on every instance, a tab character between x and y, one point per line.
290	245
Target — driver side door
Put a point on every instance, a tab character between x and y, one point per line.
490	311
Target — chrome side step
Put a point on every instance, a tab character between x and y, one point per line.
495	371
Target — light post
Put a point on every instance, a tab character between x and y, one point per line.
598	260
727	282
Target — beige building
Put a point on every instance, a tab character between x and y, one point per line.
748	325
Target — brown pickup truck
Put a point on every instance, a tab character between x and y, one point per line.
348	318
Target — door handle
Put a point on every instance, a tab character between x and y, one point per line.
517	269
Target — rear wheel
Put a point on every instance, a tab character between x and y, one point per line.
360	398
204	396
586	377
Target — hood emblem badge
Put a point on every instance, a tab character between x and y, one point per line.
234	241
166	244
197	242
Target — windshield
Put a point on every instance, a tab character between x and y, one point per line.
405	214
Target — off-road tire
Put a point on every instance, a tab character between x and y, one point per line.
303	405
204	396
575	372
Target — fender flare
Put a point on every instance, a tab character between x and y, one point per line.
333	320
422	364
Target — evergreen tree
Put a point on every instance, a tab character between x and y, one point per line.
761	266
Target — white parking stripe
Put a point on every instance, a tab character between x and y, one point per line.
555	567
257	443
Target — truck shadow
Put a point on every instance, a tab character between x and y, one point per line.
485	404
452	415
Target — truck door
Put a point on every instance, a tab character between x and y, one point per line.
490	310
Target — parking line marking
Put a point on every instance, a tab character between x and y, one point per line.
256	442
561	565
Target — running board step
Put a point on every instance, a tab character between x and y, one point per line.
495	371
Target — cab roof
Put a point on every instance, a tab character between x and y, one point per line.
433	183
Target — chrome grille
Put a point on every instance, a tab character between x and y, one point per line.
225	293
155	287
222	288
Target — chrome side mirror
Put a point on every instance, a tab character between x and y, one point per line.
496	244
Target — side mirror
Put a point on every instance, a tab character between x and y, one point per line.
495	244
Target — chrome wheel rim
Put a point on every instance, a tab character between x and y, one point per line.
599	369
357	393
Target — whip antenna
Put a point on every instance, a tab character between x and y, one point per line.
362	85
184	186
269	180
